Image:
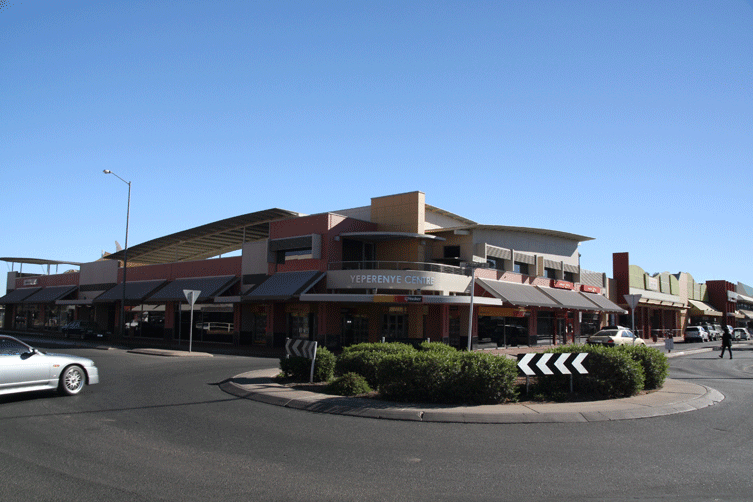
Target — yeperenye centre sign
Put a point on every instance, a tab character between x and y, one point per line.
396	279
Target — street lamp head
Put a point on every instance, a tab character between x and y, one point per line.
107	171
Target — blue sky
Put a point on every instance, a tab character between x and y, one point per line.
627	121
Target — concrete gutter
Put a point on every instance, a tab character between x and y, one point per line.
169	353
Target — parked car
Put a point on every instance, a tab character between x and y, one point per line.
696	334
82	330
612	337
714	331
24	368
740	334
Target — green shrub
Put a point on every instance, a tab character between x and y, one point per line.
447	377
324	366
350	384
655	364
485	379
364	358
611	373
299	368
296	368
436	347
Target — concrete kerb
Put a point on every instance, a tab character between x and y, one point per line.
169	353
677	396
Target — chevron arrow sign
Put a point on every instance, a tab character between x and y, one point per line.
534	364
300	348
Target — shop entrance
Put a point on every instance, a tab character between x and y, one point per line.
394	326
354	329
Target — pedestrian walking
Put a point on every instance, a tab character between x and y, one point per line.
669	342
726	342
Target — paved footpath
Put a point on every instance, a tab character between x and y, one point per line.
677	396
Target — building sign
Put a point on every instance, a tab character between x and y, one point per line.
411	299
31	282
397	279
590	289
398	299
732	296
652	283
487	311
390	279
563	285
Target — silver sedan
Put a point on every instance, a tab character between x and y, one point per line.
24	368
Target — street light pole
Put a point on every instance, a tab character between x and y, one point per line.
125	254
473	267
470	313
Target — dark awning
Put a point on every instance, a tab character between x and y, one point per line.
135	291
569	299
18	295
704	308
209	287
50	294
285	285
521	295
604	303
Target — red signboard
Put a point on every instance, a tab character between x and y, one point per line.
563	285
590	289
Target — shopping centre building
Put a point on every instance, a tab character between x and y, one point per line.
397	269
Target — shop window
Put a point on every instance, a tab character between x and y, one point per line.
257	334
294	254
545	326
569	277
357	254
150	324
520	268
302	325
452	252
550	273
496	263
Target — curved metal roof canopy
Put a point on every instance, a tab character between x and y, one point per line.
40	261
206	241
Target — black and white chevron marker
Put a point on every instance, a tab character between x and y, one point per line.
534	364
300	348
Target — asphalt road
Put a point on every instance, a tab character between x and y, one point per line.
159	428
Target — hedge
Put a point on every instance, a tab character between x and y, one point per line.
612	373
447	377
364	358
655	364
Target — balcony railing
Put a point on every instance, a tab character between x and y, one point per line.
399	265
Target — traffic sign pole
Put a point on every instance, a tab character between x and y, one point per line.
632	301
191	297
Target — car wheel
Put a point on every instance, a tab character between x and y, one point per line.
72	380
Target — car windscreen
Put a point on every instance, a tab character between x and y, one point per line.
607	332
9	346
